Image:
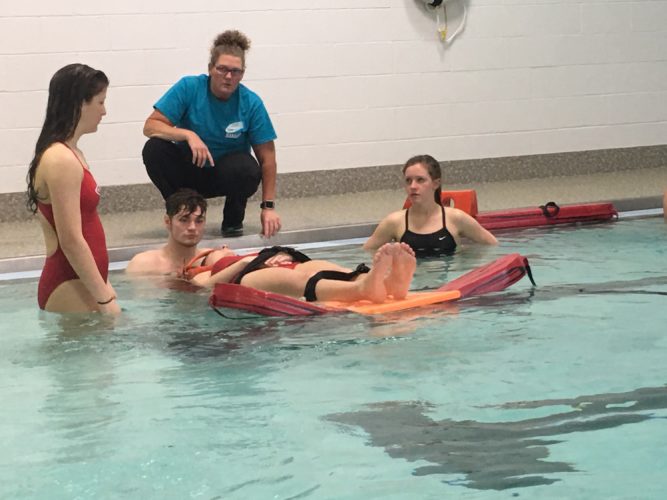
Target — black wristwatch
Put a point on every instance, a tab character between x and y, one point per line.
270	204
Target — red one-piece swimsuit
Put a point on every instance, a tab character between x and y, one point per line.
57	268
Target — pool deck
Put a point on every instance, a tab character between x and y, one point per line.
352	215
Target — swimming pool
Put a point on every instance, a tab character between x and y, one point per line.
556	392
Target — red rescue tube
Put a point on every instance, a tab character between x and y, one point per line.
492	277
249	299
463	199
544	215
547	215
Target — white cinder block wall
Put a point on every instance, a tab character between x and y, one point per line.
352	83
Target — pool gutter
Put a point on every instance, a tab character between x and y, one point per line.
30	266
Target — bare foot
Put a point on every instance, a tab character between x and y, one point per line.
371	285
402	269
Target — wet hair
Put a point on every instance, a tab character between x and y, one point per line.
232	43
70	87
185	199
433	169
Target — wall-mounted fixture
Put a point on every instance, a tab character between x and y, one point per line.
439	7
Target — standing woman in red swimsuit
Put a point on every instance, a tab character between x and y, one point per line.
62	189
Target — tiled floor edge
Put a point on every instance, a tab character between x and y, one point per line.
134	197
35	262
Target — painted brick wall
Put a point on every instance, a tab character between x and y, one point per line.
353	83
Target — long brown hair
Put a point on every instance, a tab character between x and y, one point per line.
69	88
433	169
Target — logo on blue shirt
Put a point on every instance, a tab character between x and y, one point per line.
234	130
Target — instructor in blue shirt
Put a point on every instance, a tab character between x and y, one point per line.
201	133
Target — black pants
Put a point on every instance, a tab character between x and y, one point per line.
235	176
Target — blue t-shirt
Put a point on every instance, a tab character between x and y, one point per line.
229	126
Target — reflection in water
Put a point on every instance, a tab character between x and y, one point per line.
640	286
77	325
78	407
221	343
497	455
268	334
252	333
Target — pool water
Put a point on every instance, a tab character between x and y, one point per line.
553	392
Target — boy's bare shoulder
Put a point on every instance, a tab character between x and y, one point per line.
148	262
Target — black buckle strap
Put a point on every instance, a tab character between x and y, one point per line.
265	254
550	209
309	290
529	271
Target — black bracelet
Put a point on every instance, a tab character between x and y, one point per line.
107	301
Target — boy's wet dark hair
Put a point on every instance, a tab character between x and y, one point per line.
185	199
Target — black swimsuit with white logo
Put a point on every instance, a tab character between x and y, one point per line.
430	245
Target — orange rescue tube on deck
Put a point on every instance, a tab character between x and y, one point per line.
464	199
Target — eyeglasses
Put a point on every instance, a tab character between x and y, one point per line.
223	70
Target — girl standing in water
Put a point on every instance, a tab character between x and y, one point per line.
64	192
